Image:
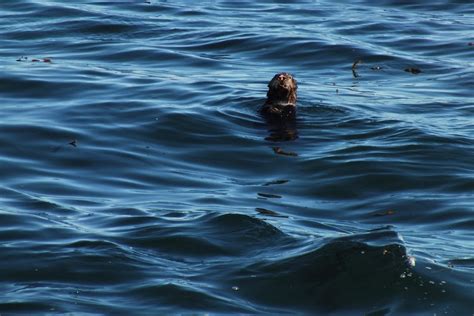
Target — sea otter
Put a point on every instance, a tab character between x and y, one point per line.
281	98
279	110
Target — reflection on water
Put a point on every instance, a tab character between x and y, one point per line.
281	130
138	174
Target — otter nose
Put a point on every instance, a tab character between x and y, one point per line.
281	77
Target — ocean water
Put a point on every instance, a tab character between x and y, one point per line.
138	178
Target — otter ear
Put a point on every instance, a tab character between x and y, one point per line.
295	82
275	78
270	83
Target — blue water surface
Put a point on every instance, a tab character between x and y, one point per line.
138	177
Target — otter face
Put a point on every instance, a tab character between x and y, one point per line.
279	110
282	90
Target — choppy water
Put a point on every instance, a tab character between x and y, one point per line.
137	176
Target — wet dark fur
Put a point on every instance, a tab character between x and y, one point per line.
279	110
281	98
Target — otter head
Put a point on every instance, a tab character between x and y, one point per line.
282	90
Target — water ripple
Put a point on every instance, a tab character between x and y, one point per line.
138	175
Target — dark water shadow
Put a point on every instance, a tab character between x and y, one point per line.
280	130
281	127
